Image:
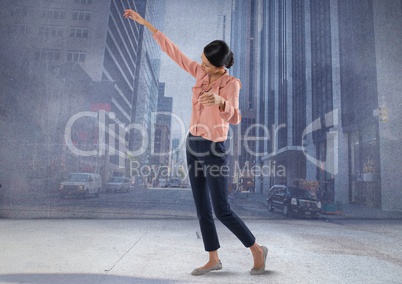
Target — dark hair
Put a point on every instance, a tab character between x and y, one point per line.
219	54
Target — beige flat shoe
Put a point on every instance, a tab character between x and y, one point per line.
258	271
200	271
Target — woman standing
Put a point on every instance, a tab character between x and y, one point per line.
215	104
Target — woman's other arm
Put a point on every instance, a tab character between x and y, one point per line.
230	110
166	45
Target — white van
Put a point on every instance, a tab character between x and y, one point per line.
81	184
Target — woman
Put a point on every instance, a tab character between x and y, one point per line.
215	104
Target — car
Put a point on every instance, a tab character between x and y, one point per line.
121	184
81	184
293	200
163	182
174	182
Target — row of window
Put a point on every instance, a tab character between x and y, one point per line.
48	31
55	31
17	29
55	55
88	2
21	11
81	16
55	14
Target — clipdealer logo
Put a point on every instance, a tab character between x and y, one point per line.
112	135
330	122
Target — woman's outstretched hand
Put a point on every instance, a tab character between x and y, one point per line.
130	14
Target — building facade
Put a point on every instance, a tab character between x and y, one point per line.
244	28
162	139
49	40
323	112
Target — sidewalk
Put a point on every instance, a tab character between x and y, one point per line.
67	251
122	251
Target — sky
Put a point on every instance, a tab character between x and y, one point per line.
190	24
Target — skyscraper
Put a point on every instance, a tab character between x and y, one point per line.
47	39
316	81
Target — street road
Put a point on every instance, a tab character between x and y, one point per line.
137	203
151	203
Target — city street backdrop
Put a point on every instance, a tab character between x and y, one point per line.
89	93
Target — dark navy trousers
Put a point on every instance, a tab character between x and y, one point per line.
209	175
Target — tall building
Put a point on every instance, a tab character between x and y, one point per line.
162	139
323	113
370	48
55	47
147	83
245	48
45	38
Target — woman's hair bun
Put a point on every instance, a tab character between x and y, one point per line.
230	60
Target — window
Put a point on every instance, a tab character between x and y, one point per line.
17	29
19	12
87	2
76	56
81	16
47	55
79	32
52	31
53	14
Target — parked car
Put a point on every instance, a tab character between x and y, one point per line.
81	184
121	184
293	200
174	182
163	182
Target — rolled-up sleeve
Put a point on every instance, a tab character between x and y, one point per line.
231	113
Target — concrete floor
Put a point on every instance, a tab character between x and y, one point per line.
166	251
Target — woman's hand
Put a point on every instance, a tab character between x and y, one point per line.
210	98
128	13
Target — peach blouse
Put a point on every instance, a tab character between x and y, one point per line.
209	122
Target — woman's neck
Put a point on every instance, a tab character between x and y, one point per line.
214	77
